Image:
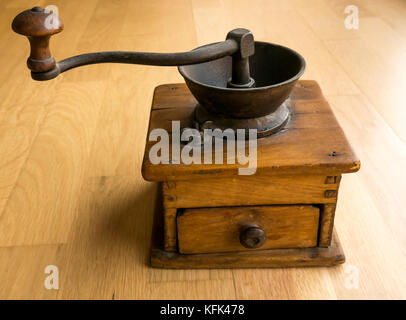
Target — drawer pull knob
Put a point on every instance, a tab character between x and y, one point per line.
252	237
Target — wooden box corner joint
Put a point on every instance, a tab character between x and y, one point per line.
281	216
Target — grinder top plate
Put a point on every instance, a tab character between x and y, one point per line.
312	142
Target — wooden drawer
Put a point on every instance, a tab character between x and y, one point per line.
226	229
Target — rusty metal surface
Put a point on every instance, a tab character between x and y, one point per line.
252	236
274	68
240	75
239	44
210	52
265	126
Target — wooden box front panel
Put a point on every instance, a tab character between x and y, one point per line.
250	191
206	230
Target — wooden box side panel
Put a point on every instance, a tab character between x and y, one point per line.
326	224
327	213
169	219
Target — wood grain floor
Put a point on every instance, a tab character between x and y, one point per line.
71	191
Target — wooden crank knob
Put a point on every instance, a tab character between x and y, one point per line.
252	237
38	25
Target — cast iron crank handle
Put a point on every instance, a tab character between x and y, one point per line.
39	25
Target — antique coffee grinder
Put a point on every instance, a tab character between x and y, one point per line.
210	216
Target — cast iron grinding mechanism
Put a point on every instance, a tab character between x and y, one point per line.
239	83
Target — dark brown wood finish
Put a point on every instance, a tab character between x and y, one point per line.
252	236
38	25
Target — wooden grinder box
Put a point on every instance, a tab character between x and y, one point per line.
291	199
